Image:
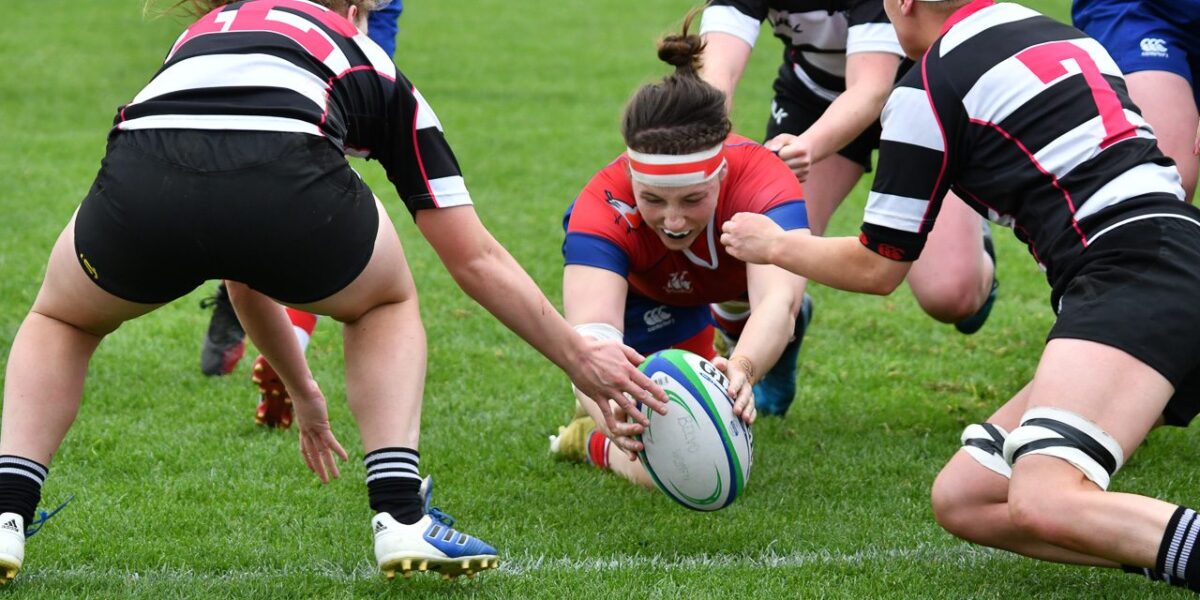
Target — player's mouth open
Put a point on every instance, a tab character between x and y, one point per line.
676	235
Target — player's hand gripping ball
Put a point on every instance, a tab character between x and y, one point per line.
699	454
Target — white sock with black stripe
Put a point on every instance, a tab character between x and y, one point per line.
393	483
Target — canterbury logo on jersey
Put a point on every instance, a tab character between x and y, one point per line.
657	318
884	250
678	283
1156	47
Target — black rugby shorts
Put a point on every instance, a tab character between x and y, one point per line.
1137	288
169	209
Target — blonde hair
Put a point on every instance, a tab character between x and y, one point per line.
200	8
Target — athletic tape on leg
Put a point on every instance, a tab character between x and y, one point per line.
1070	437
985	443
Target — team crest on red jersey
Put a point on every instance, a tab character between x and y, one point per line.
678	283
625	211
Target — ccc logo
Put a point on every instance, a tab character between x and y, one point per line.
1154	46
656	316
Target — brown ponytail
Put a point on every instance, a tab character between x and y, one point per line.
682	113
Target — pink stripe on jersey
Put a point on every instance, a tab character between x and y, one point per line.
329	84
417	151
941	131
964	12
1053	178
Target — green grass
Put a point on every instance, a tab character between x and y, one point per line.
177	494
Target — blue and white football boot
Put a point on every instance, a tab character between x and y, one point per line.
774	393
431	544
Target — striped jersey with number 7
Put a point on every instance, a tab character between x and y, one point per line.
1029	121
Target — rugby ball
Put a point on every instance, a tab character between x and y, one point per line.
699	454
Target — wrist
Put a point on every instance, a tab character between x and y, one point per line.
746	365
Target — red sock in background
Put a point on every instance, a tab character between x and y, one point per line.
303	324
597	449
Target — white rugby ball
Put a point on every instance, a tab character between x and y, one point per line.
699	453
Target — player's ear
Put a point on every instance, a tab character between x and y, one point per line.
352	15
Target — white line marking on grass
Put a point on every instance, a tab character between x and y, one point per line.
960	556
527	564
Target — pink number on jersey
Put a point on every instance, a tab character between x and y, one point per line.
1047	62
254	16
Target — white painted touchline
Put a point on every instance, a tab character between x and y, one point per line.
517	565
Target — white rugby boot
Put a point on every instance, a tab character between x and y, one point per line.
431	544
12	545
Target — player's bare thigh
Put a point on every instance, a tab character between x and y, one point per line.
386	278
69	295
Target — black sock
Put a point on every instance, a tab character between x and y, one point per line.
21	482
1177	563
394	483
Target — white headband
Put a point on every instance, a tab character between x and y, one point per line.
673	170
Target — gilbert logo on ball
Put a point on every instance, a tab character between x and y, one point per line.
699	454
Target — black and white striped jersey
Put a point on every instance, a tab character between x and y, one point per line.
295	66
1029	121
817	35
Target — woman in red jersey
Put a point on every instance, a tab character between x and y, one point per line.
642	260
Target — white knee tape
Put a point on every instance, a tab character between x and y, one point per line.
600	331
985	443
1070	437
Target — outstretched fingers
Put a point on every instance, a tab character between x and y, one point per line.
644	389
618	429
739	388
320	452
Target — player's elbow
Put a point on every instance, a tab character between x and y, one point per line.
475	267
880	287
884	276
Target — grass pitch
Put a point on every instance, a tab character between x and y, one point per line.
178	494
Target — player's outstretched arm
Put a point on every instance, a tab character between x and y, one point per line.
869	78
602	370
775	299
594	304
268	326
838	262
724	60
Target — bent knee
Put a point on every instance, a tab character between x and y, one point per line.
1044	515
949	302
960	509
